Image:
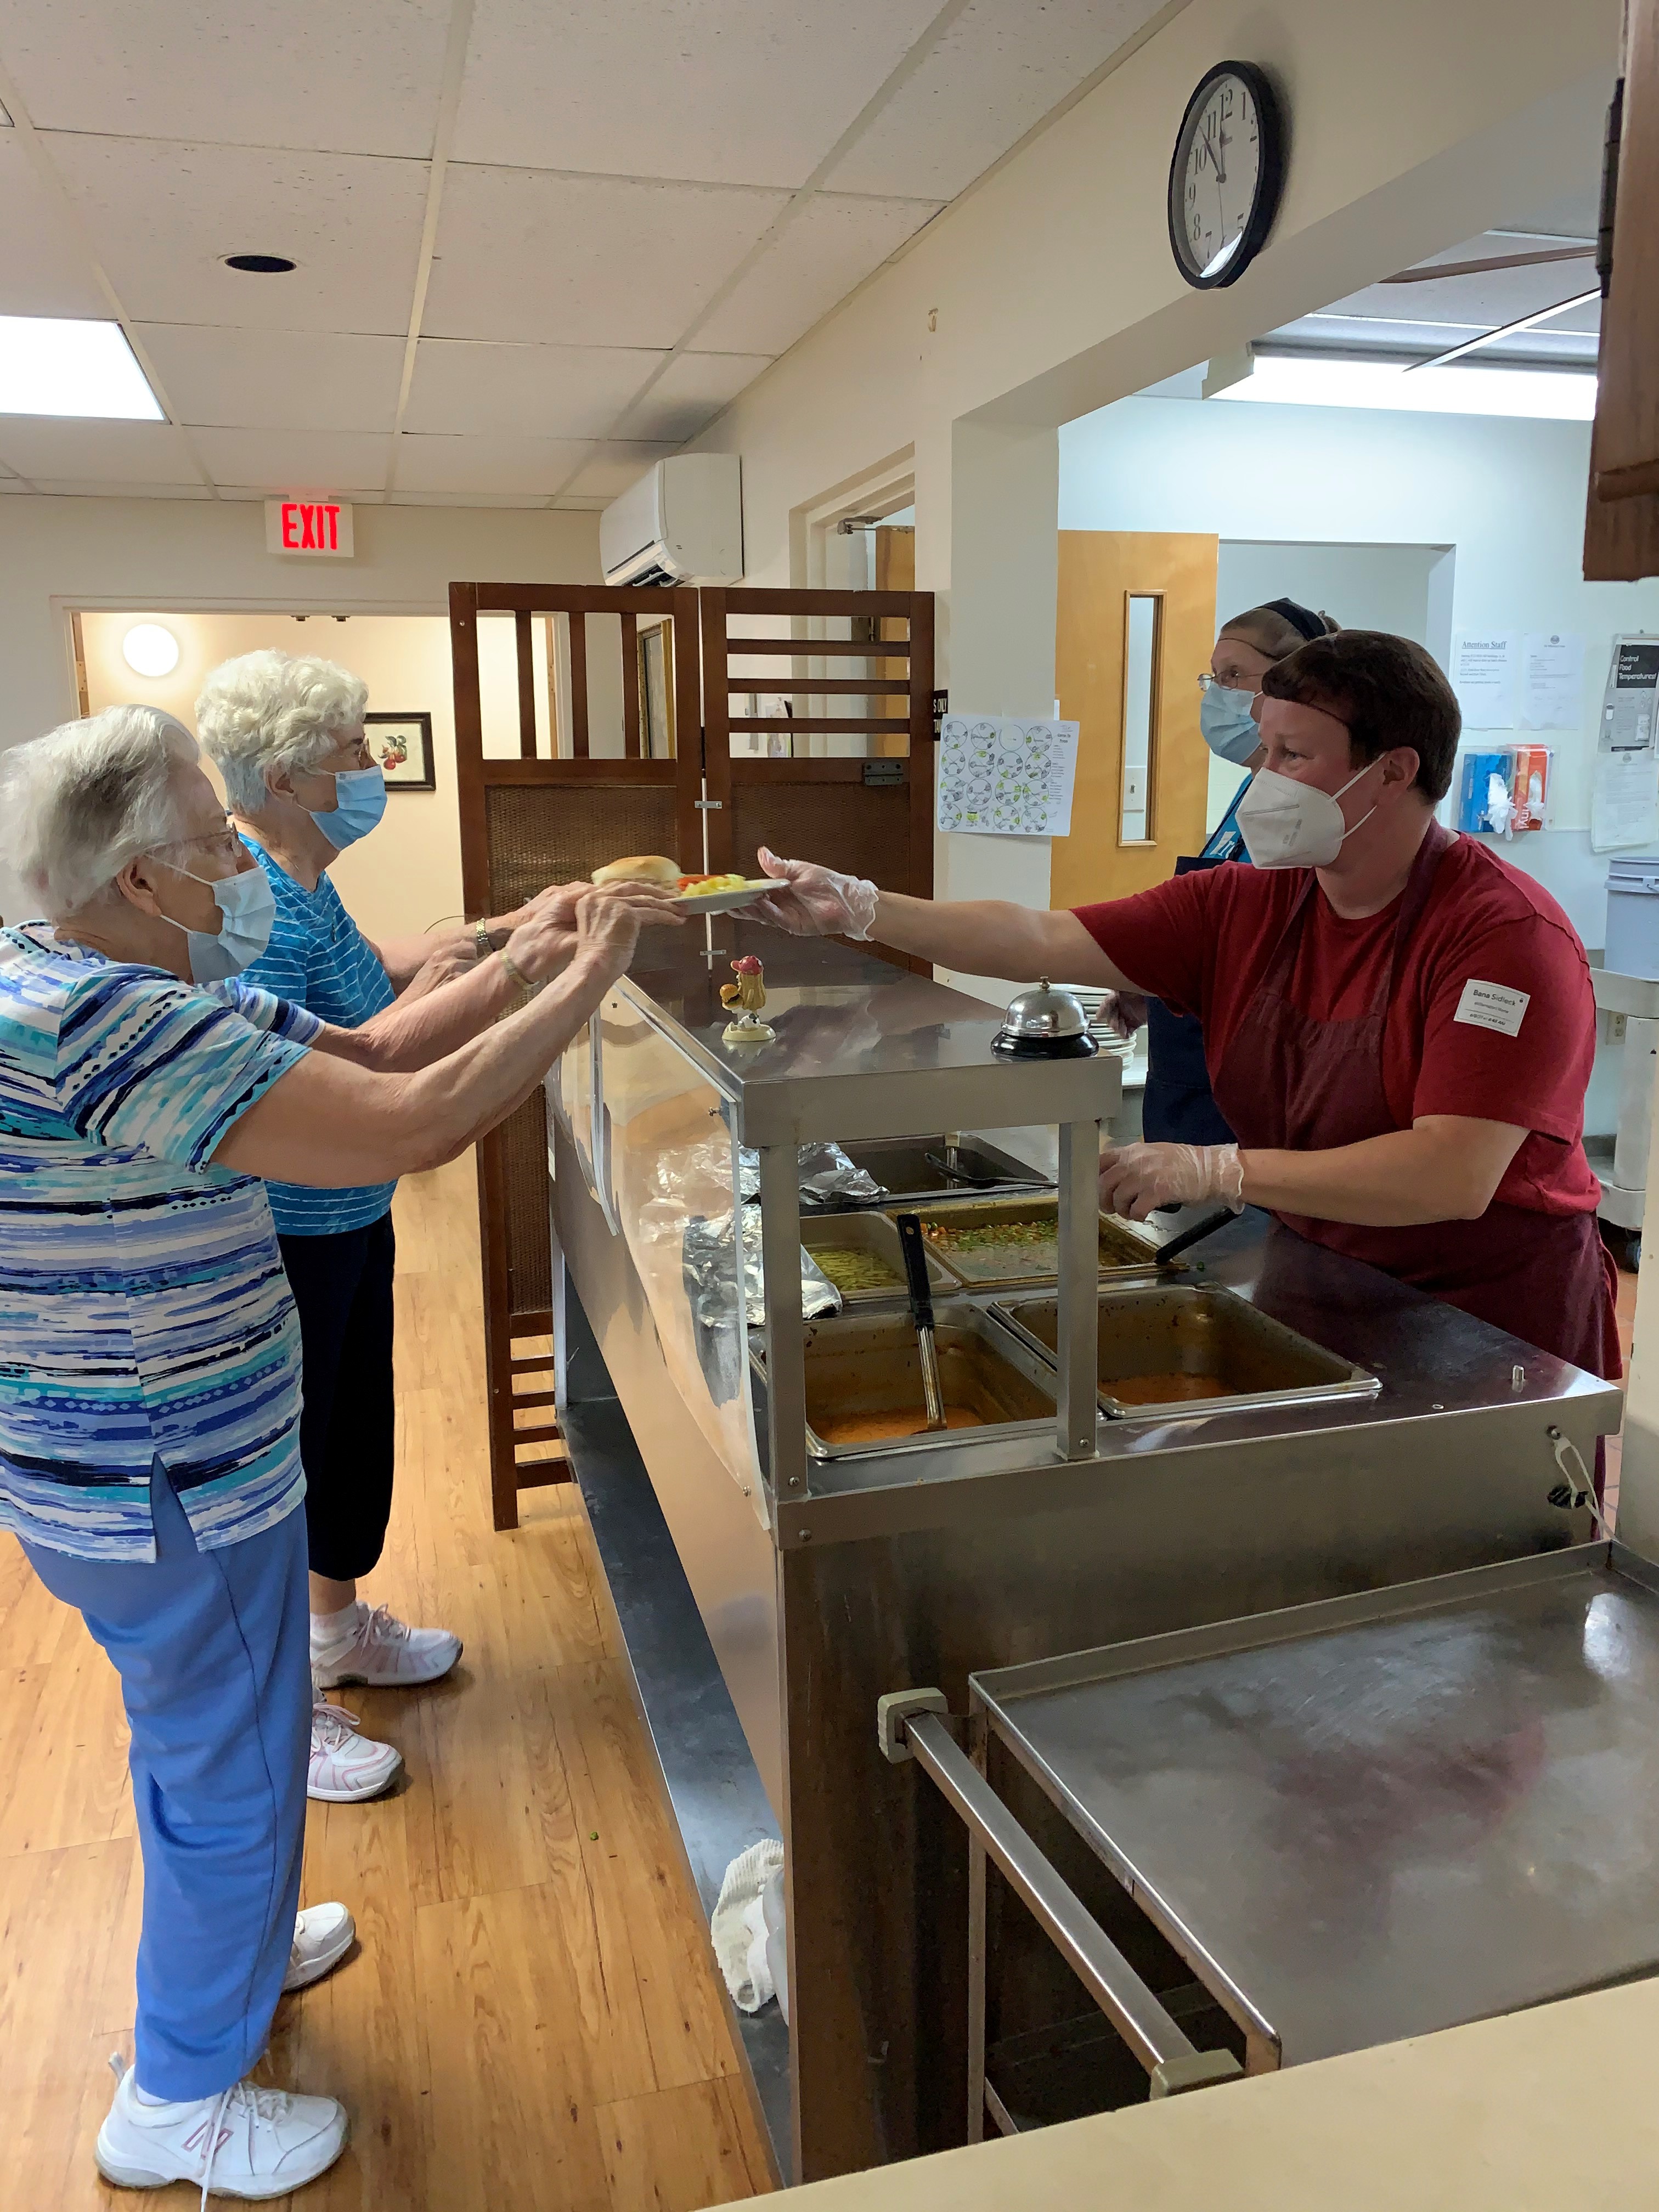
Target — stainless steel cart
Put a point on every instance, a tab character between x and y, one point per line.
1348	1822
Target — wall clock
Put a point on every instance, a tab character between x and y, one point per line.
1227	176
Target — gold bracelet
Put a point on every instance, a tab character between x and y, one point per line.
518	974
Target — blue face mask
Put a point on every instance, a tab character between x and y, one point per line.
247	907
359	802
1230	728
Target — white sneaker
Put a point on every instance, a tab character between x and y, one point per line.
246	2141
382	1652
323	1934
346	1766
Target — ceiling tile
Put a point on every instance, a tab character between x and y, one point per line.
613	467
276	379
162	218
814	262
529	391
995	73
690	391
523	466
725	91
540	259
1477	302
44	269
468	499
119	491
69	450
363	78
294	460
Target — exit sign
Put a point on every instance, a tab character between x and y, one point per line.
315	528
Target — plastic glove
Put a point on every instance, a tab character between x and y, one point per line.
1136	1178
813	902
1124	1013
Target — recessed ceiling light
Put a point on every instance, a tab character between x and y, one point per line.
151	649
50	366
1334	381
259	264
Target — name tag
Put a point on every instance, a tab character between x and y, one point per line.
1492	1007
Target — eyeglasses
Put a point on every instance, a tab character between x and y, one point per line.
1207	681
218	844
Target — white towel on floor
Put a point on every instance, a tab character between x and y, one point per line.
739	1928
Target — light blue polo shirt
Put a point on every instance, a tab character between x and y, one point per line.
319	958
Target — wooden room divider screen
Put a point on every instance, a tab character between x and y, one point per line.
540	815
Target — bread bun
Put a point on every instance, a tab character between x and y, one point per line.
640	868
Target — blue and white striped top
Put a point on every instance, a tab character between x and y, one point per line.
320	959
143	1309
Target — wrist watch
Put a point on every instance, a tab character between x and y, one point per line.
483	937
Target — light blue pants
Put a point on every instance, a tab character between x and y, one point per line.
213	1652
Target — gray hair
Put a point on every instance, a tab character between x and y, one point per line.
271	709
79	803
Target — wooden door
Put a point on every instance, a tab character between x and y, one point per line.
546	818
870	810
1133	631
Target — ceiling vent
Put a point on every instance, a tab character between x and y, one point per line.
682	523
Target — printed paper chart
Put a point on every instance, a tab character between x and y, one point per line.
1003	776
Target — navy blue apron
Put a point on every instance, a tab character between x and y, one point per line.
1177	1106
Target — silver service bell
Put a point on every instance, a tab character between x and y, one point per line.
1045	1024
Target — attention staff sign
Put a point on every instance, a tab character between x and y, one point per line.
316	529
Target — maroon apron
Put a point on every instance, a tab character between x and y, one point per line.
1288	1083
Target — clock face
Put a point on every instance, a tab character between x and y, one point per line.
1226	176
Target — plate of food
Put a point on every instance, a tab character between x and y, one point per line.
699	893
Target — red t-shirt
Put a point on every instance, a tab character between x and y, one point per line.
1202	943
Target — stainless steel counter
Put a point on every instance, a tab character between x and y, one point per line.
823	1584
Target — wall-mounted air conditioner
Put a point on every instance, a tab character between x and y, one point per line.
682	523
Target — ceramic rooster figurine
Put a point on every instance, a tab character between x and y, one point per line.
748	995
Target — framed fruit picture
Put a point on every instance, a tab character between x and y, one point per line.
402	747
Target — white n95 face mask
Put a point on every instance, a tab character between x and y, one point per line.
1287	824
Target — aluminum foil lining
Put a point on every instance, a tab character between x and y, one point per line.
828	1177
711	1293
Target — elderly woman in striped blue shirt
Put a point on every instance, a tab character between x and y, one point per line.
286	733
150	1355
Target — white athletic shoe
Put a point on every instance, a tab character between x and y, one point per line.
382	1652
246	2142
323	1934
346	1766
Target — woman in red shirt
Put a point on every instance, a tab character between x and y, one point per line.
1398	1023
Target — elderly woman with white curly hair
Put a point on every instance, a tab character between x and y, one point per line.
150	1385
286	733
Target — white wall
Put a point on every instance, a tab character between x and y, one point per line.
1392	587
174	555
1507	496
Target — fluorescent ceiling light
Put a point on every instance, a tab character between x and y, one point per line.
1337	381
51	367
151	649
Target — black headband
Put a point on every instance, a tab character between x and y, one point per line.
1301	620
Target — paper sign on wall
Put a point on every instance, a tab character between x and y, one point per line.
1006	775
1552	680
315	529
1625	782
1483	674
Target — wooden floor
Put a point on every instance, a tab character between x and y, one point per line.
531	2022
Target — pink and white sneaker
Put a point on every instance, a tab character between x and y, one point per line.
380	1652
345	1766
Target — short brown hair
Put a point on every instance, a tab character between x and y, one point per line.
1387	690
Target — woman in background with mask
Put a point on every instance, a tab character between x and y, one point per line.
1178	1104
1398	1025
286	733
